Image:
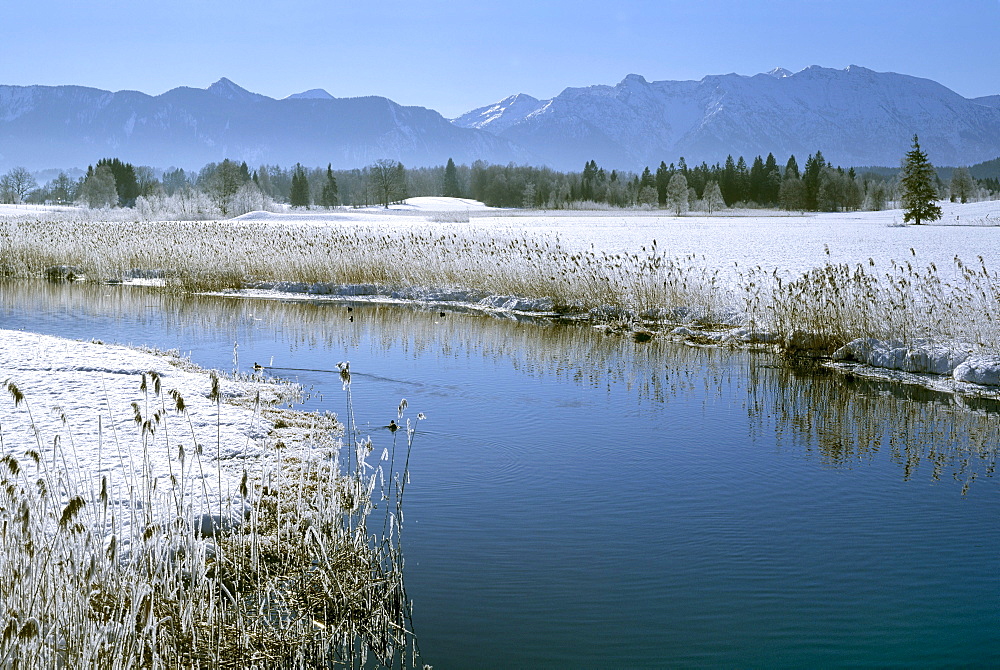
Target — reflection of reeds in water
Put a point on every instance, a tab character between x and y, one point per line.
850	419
288	572
846	419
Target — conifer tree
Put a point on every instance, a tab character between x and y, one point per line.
451	187
917	183
662	181
811	177
772	180
299	195
727	181
792	168
647	179
329	196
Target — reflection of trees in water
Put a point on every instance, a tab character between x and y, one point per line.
850	419
847	418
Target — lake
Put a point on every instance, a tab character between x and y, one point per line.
579	500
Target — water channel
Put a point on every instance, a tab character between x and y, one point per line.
580	500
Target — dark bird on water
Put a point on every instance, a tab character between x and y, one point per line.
393	426
258	367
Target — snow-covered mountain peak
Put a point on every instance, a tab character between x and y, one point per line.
500	115
311	94
779	73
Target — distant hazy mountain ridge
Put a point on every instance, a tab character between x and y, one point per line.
854	116
67	126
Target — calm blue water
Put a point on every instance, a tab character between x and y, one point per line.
582	501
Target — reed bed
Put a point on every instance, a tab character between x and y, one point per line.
907	303
820	309
295	569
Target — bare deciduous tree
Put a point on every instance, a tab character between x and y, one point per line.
16	184
388	180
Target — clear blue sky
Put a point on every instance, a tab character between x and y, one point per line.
453	57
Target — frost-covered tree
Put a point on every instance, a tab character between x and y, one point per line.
876	196
962	185
248	199
792	194
98	189
62	189
126	182
16	184
528	199
221	182
713	197
647	196
918	193
677	194
146	180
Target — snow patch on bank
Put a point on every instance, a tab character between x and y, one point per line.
957	361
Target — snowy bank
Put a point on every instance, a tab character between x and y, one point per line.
112	411
142	525
958	362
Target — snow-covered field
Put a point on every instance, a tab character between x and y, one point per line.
788	242
79	414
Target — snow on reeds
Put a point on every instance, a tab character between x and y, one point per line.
132	553
906	300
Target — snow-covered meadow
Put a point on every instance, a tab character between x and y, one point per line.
105	411
790	243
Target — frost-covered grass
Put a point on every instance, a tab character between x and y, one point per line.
835	277
155	516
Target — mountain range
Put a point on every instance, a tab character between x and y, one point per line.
72	126
855	116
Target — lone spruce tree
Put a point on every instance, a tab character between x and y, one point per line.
451	187
917	181
299	196
329	196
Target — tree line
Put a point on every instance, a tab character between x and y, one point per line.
229	188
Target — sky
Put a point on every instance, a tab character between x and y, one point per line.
454	57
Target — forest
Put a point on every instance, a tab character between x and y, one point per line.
230	188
